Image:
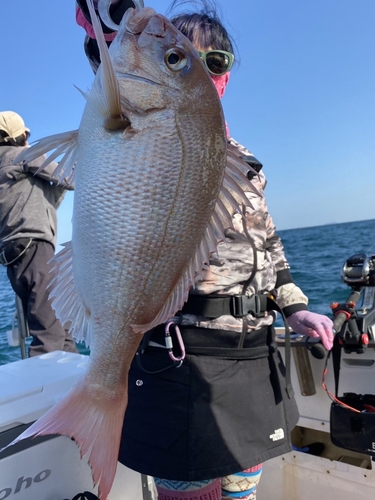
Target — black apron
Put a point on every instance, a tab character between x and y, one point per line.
212	416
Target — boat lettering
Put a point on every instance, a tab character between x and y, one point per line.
23	483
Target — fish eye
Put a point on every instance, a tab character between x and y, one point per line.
175	59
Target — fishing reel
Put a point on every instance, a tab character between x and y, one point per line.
354	321
359	270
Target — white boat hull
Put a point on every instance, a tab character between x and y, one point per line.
53	470
48	468
338	473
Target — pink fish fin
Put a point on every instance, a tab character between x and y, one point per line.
235	158
226	207
237	169
106	98
94	422
66	302
217	224
61	144
110	102
236	190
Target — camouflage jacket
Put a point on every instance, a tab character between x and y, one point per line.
255	250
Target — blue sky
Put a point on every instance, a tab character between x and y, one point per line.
302	97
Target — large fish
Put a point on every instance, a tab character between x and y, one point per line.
153	193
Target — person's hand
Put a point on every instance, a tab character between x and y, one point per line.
313	325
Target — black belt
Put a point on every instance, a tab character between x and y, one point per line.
213	306
210	342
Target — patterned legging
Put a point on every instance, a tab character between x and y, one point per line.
240	486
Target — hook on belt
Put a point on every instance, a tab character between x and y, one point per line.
169	342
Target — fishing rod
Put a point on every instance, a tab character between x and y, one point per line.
104	9
352	416
355	326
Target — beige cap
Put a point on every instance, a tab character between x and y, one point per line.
12	124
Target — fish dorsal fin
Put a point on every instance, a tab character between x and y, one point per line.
109	103
232	195
64	144
65	300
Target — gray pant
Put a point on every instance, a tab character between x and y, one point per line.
30	277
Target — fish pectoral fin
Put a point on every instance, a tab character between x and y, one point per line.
61	144
65	299
232	194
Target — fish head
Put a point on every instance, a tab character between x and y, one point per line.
157	67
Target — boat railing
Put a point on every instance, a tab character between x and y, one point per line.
23	327
18	334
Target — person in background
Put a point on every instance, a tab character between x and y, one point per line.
28	225
203	426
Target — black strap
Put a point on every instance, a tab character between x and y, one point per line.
288	379
213	306
336	358
233	353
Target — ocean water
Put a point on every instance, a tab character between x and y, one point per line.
316	256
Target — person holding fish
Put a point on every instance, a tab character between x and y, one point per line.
174	271
28	226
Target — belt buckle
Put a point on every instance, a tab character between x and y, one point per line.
243	305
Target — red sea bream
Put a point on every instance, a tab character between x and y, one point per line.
153	192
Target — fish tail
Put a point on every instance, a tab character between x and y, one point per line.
94	423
